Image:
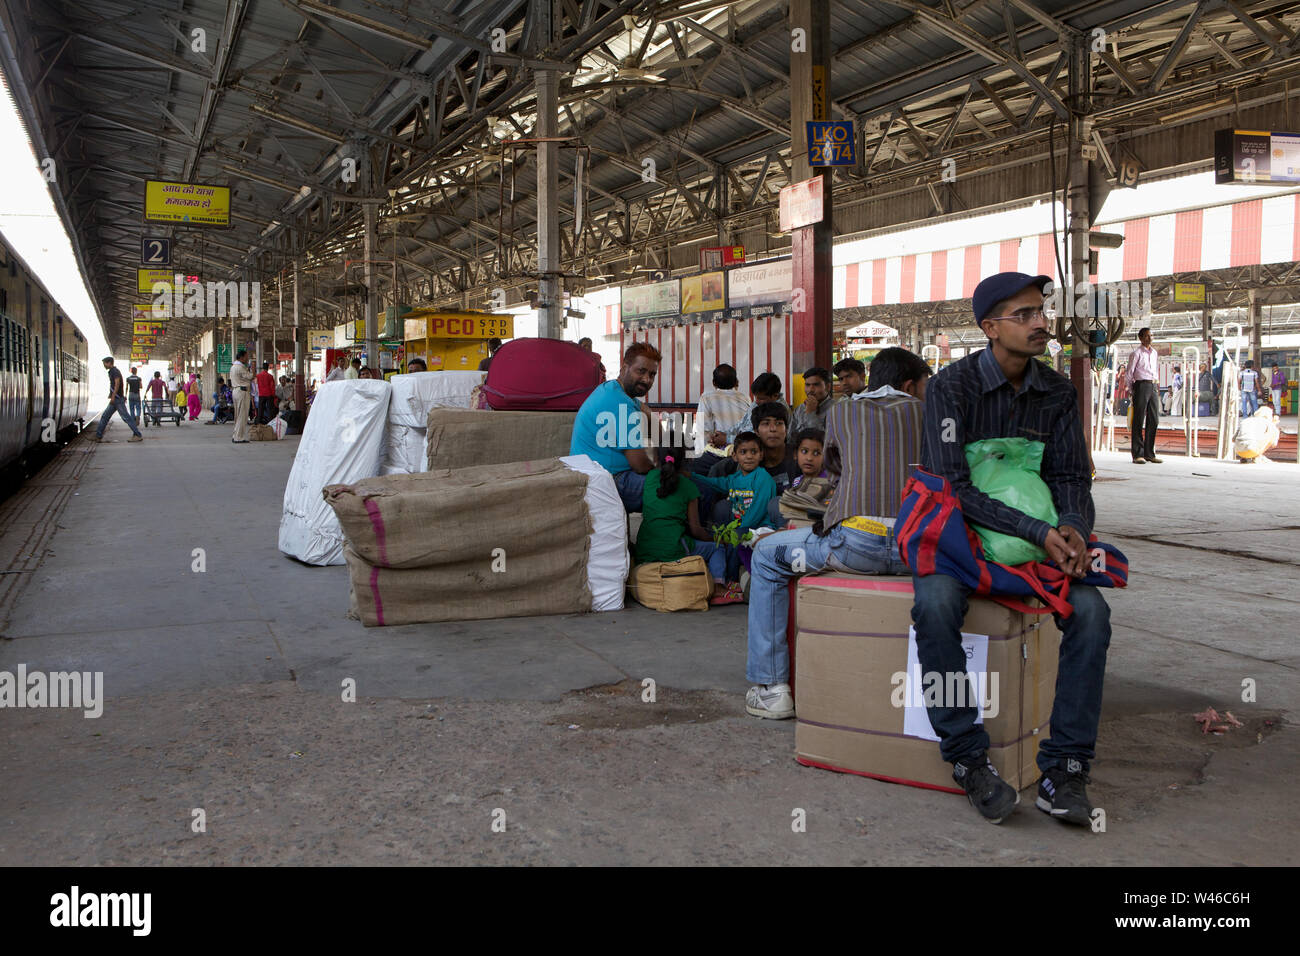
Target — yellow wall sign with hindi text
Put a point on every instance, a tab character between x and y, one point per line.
191	204
145	279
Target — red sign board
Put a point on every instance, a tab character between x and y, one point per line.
801	204
713	258
284	356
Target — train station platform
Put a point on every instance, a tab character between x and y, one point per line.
225	663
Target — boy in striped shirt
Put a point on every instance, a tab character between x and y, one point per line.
872	440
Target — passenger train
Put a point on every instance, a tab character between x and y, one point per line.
44	371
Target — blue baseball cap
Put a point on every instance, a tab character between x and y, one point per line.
1001	287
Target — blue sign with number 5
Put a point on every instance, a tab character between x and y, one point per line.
831	143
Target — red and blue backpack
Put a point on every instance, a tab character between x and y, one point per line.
933	538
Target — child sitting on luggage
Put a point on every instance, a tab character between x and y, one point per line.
670	522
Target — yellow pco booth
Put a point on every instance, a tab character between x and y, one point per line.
453	341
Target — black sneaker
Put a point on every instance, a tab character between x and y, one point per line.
1061	794
988	793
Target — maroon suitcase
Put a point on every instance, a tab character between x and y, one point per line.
541	375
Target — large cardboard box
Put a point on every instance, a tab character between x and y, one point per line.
852	704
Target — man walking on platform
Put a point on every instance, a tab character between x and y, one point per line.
116	403
1142	379
133	385
240	379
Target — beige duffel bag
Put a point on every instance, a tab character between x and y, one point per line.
681	585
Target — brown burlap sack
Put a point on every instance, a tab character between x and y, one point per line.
466	437
505	540
261	433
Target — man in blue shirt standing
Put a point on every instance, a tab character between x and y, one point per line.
612	427
1003	391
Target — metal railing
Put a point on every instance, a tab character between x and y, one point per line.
1191	399
1103	410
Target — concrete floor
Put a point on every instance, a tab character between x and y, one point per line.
224	696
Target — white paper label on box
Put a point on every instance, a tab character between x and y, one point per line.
916	722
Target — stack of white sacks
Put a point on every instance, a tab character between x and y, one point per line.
362	428
408	415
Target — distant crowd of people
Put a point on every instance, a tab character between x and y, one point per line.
133	399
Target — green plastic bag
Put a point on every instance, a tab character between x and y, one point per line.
1007	469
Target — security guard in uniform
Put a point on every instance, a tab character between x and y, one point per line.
240	379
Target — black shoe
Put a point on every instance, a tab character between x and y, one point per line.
1061	794
988	793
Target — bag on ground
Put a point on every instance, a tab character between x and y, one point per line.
341	443
507	540
681	585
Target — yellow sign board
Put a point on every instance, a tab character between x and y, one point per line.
149	312
460	325
1190	293
703	293
191	204
148	328
143	340
145	279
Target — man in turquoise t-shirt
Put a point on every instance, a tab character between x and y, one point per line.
612	425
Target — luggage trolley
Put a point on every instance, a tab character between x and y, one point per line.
157	409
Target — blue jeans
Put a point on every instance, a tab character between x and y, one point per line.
133	403
1249	403
715	555
940	609
786	554
630	489
118	405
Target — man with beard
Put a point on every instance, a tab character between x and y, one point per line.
613	425
1003	391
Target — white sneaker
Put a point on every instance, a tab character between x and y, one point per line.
770	700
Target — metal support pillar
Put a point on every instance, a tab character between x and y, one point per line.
1255	320
372	293
722	209
300	359
550	295
810	78
1080	217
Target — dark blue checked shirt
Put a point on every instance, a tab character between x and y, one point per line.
971	400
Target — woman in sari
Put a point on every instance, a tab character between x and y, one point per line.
193	390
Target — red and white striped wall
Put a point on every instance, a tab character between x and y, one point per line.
691	352
1215	237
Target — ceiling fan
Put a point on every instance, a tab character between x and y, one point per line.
629	68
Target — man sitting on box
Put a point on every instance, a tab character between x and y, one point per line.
612	426
872	441
1003	391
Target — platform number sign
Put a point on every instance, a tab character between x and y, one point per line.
831	143
155	251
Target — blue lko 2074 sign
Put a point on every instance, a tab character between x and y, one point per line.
830	143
